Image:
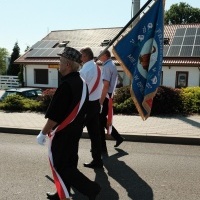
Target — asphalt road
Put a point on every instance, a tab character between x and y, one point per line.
138	171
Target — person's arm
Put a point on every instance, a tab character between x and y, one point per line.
48	126
104	91
41	138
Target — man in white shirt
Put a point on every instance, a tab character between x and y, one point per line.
91	73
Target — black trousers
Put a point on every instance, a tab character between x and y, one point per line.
92	124
103	125
65	157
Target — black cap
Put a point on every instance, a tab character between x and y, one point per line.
71	54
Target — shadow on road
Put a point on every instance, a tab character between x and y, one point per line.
190	121
126	177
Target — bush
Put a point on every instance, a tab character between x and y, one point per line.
167	101
19	103
191	99
122	94
127	107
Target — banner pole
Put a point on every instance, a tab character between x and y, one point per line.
125	27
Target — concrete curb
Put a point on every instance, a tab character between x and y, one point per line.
128	137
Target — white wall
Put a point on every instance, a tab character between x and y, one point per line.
52	76
169	75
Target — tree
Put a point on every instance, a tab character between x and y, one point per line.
14	69
182	13
3	56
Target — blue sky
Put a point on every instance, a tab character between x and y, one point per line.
27	22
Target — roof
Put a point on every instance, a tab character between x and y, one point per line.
96	39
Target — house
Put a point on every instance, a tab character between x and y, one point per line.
181	62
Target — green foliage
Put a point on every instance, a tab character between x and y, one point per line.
19	103
127	107
191	99
167	101
14	69
122	94
3	55
182	13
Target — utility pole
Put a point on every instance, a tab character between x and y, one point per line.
135	8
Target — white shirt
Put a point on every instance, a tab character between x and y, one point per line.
89	73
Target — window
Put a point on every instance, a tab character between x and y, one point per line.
41	76
120	79
181	79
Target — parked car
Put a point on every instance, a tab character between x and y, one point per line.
31	93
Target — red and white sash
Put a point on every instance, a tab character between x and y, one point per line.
110	110
60	186
97	80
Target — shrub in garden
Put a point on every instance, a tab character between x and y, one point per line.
191	99
127	107
167	101
19	103
122	94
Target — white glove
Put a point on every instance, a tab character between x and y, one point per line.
101	108
41	138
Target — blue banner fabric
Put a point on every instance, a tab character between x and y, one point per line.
140	53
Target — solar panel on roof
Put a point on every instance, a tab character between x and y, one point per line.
165	50
45	44
180	32
186	51
36	44
31	53
55	52
44	52
52	43
191	31
189	40
177	41
198	31
39	53
197	40
184	43
196	51
174	51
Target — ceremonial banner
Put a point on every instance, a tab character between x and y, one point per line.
140	53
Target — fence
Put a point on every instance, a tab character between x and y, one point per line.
9	82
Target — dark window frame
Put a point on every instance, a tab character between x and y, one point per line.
178	83
41	76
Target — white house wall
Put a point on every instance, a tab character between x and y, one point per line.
169	75
52	76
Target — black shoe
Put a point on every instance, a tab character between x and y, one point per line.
93	196
52	196
118	142
93	165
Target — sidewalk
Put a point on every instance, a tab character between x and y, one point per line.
176	129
